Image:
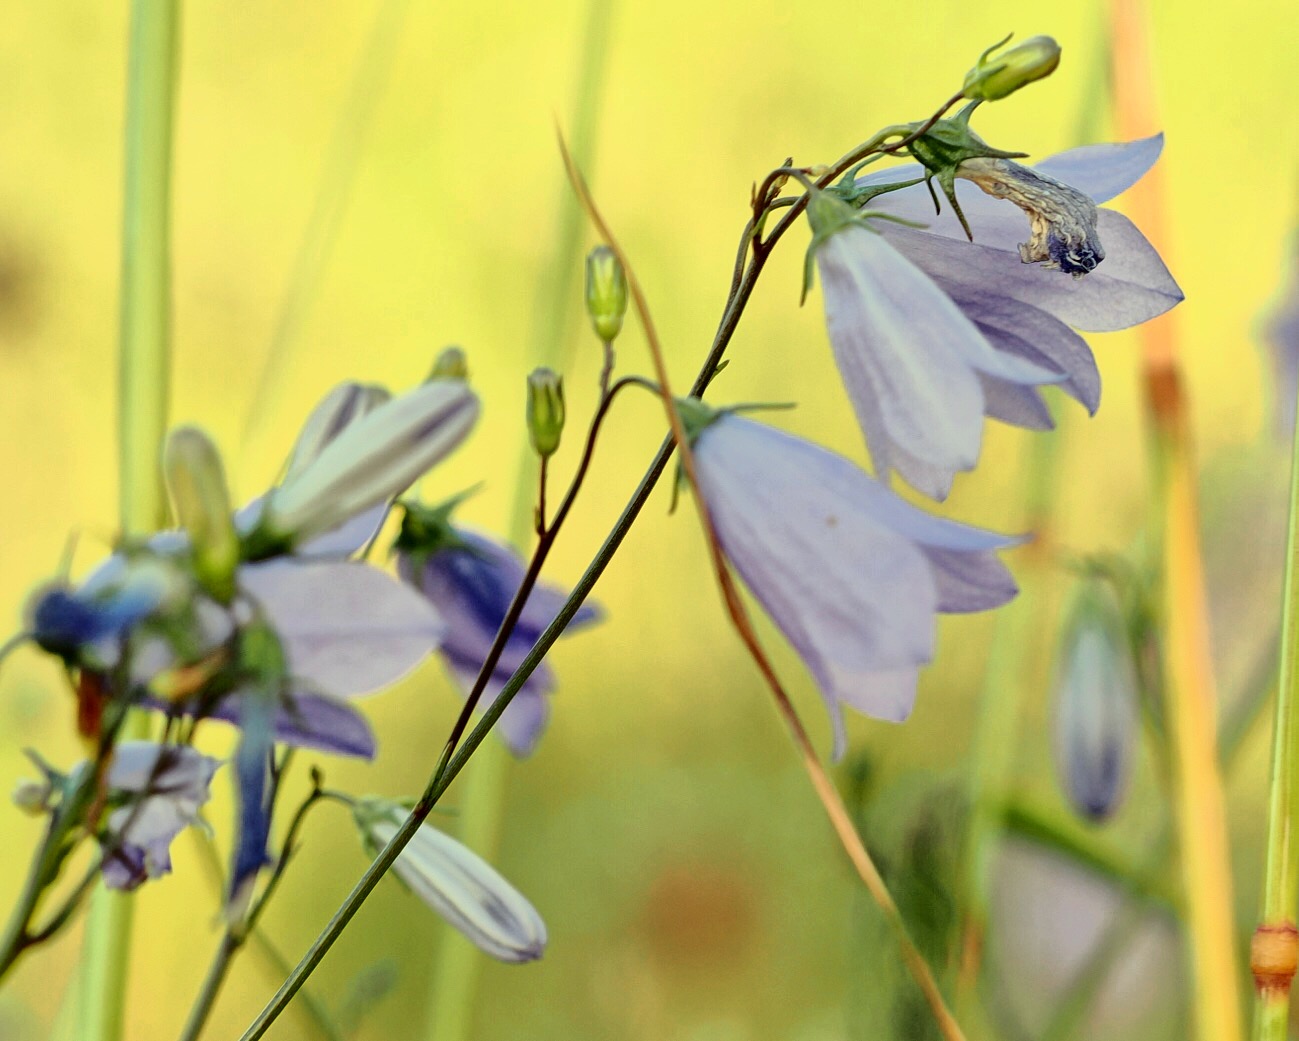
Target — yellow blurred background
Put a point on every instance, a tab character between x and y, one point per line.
692	889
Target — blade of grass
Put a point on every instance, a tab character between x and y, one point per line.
338	173
144	390
1198	799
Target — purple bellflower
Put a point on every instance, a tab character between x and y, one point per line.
164	787
471	580
851	573
915	358
1096	701
1281	332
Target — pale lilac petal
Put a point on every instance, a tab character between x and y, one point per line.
309	720
1028	332
1105	170
347	628
970	581
853	597
1131	287
1016	404
893	332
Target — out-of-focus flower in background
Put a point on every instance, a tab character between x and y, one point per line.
471	580
851	573
1096	702
1281	334
163	788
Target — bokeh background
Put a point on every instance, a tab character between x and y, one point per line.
664	829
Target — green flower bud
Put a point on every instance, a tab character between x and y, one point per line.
451	364
606	292
995	78
197	484
545	411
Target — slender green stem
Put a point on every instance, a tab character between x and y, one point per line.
314	1011
454	979
237	933
144	385
457	753
1276	943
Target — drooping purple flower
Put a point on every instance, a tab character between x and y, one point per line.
1096	703
851	573
165	786
1018	295
913	363
471	579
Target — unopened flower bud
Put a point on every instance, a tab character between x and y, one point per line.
606	292
451	364
201	502
340	408
32	797
1095	703
545	411
458	884
992	79
374	459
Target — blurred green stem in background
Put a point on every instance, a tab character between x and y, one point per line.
338	172
1191	695
1276	944
144	387
1015	632
454	979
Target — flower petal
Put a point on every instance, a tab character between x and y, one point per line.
1131	287
855	598
347	628
525	717
893	333
1016	404
1105	170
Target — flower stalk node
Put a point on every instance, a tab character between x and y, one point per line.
1273	958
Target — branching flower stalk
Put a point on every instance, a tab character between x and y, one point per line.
751	256
825	789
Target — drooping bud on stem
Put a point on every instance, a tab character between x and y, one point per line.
992	79
545	411
606	292
197	484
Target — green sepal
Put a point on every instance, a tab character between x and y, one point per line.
945	146
426	530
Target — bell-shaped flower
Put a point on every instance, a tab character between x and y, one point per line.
1096	703
1018	294
373	459
471	580
912	362
458	884
851	573
157	791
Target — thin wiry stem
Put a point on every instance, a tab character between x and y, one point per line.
456	755
832	802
